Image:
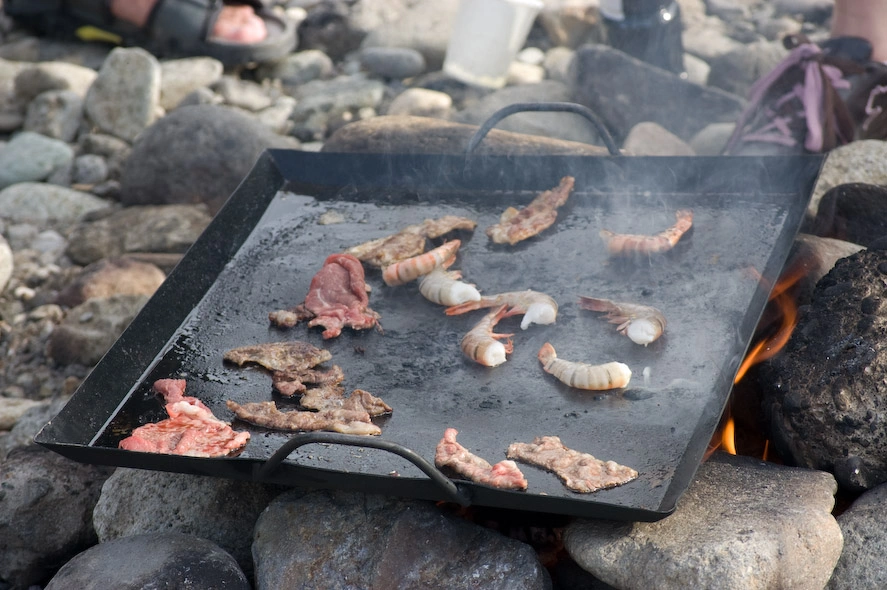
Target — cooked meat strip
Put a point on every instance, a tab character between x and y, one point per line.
580	472
331	396
408	242
266	415
279	356
290	382
190	430
450	454
337	297
516	225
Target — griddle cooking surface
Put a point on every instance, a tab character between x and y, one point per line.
708	287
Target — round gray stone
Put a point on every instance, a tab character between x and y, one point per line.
392	62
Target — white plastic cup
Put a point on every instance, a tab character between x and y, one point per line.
486	36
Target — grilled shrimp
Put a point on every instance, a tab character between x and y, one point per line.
628	244
482	345
413	268
582	375
444	287
641	323
538	308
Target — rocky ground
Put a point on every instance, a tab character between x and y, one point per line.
113	163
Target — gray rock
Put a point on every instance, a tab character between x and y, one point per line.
89	330
651	139
12	409
708	39
557	64
774	529
165	560
425	26
181	77
195	154
420	102
106	146
812	11
46	513
865	543
56	114
125	97
298	68
223	511
201	96
242	93
111	276
277	117
816	256
637	92
154	229
711	139
858	161
856	212
322	102
387	543
821	394
566	126
11	121
38	78
395	63
697	70
6	263
32	157
89	169
736	71
45	204
29	424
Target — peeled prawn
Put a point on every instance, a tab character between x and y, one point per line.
482	345
628	244
444	287
413	268
641	323
538	308
582	375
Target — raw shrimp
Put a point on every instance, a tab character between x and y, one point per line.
444	287
538	308
641	323
413	268
482	345
628	244
582	375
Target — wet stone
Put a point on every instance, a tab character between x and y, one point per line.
774	529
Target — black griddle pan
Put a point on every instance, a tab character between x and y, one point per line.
262	249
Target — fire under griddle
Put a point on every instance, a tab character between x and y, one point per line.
262	249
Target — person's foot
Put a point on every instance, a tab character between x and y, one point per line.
240	24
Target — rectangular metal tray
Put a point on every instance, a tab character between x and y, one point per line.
262	249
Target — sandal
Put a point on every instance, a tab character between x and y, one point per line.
799	106
175	28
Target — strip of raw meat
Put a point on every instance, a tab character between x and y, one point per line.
190	430
328	397
289	383
580	472
408	242
279	356
337	297
450	454
516	225
266	415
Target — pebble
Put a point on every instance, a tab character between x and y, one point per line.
242	93
125	97
181	77
56	114
45	204
89	169
298	68
38	78
420	102
395	63
31	156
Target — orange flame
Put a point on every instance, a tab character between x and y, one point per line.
767	347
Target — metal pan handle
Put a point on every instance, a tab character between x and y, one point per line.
452	492
547	107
